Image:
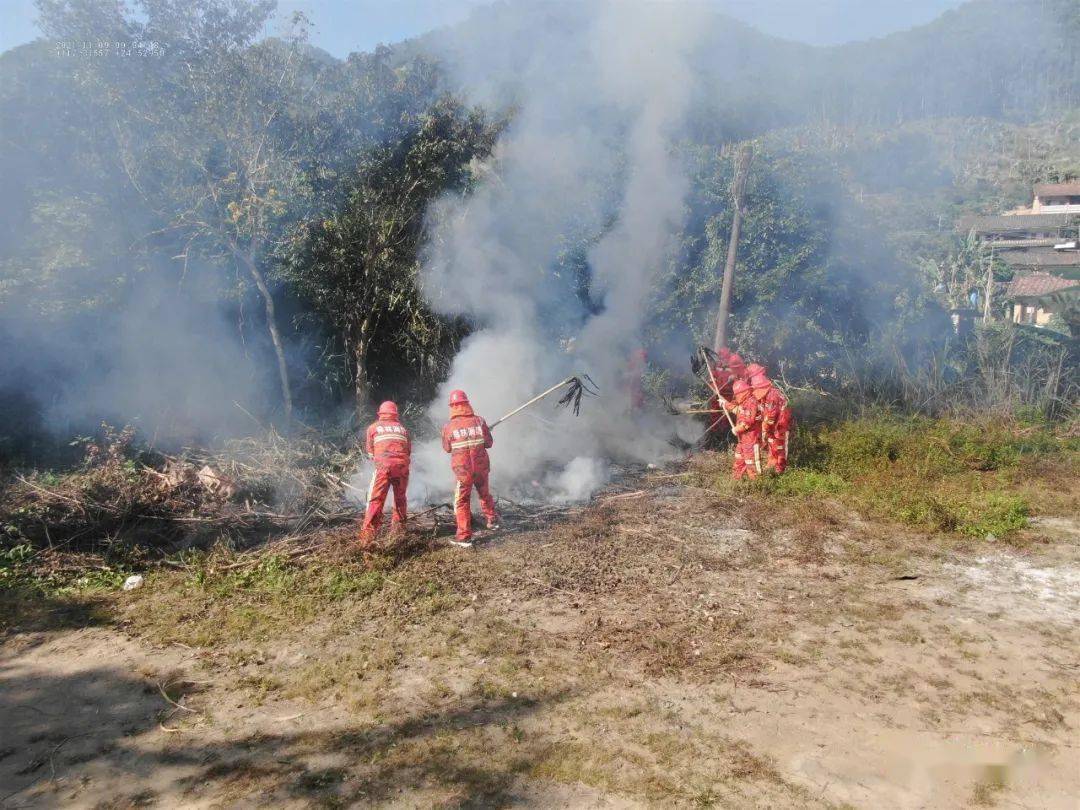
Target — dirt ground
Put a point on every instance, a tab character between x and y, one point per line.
665	647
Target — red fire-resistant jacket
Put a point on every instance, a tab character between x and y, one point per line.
389	444
724	381
466	437
748	422
775	413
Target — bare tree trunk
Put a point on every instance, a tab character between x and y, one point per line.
362	386
275	336
720	338
361	382
738	187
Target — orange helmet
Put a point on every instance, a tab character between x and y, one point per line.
388	408
755	369
741	389
760	381
458	398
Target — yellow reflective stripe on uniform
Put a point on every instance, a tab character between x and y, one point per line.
462	445
388	437
757	457
371	488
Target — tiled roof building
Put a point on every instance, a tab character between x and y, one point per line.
1004	224
1042	257
1032	285
1040	245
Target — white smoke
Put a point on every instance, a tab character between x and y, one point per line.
599	96
578	480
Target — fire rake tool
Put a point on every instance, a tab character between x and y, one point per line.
705	360
576	388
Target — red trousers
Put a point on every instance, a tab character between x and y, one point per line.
778	450
381	482
747	462
466	480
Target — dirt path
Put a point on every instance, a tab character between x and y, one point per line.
670	662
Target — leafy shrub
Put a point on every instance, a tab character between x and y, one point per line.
859	447
995	514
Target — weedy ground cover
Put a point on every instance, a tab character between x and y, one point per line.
622	648
967	477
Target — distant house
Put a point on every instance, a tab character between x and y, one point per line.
1040	245
1028	295
1057	198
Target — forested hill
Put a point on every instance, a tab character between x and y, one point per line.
1011	59
997	58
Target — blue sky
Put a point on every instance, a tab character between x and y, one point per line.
342	26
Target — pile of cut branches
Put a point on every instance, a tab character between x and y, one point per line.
250	491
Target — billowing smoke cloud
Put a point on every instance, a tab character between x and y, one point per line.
588	163
167	358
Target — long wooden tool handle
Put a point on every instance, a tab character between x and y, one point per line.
716	390
537	398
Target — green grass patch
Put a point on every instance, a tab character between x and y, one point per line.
800	482
925	447
211	604
972	478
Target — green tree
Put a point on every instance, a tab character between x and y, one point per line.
818	284
212	131
358	266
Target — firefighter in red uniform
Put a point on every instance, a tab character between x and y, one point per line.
724	374
784	425
467	438
389	445
748	433
776	420
724	380
737	367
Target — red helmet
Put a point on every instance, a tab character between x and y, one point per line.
755	369
388	408
458	398
724	354
760	381
734	361
741	387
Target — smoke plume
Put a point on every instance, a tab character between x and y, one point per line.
587	165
